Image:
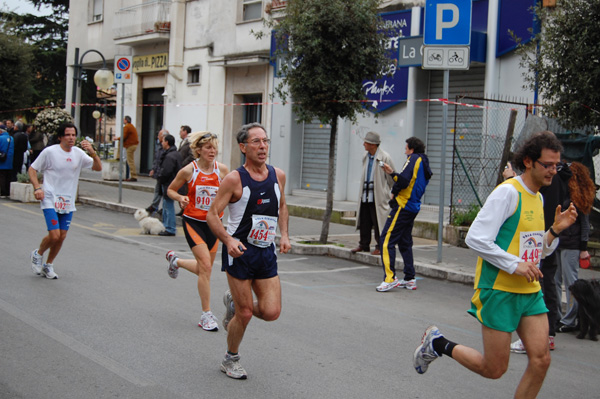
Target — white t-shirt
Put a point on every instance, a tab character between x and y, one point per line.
61	171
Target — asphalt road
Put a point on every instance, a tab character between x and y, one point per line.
114	325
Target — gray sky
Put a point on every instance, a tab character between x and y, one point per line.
23	7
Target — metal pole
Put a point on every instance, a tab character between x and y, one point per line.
443	165
76	77
121	147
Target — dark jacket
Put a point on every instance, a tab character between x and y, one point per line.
157	160
170	163
20	139
186	152
36	139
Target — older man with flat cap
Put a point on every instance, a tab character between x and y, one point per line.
374	194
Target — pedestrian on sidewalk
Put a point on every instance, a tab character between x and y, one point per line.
203	178
7	153
508	235
158	194
255	195
61	165
573	242
170	164
375	194
187	156
130	143
409	187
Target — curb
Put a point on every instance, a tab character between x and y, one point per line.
424	269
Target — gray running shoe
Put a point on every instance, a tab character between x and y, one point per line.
208	322
425	353
173	269
48	271
232	367
229	309
37	262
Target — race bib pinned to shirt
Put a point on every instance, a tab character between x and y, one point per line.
263	231
63	203
530	246
204	196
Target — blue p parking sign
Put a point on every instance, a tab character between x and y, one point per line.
447	23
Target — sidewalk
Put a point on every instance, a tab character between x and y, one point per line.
458	264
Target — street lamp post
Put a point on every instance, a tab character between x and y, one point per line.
103	78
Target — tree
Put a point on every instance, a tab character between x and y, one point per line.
47	35
563	62
15	79
333	46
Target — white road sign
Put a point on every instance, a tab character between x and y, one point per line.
446	57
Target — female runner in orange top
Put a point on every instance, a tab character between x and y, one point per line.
203	177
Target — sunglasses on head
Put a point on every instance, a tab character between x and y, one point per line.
208	136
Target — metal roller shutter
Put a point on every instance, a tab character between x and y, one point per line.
315	156
471	82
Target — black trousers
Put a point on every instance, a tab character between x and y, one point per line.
368	222
548	267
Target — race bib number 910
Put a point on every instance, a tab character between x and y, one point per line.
205	196
531	245
262	233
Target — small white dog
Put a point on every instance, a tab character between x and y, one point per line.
148	224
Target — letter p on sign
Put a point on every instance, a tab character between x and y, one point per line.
440	23
447	23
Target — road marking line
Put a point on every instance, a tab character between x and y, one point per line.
341	269
79	347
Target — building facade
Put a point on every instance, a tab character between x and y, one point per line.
197	63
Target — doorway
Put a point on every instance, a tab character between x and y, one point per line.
152	122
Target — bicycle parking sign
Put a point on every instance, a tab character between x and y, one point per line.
446	57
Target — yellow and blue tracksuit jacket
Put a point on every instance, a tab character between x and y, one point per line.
410	184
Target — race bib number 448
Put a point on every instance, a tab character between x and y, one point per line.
531	245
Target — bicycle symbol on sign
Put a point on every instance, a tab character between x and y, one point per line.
436	57
455	58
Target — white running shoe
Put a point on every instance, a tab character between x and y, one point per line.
173	269
232	367
208	322
229	309
48	271
408	284
517	347
425	354
37	261
388	286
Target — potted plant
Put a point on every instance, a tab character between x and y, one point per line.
22	190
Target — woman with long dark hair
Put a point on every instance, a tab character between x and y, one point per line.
573	241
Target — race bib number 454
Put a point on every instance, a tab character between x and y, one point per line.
531	245
262	233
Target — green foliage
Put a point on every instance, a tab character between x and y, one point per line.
333	46
567	66
465	217
24	177
16	78
47	38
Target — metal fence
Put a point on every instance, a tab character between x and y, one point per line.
484	133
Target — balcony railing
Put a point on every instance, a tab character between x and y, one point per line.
142	19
